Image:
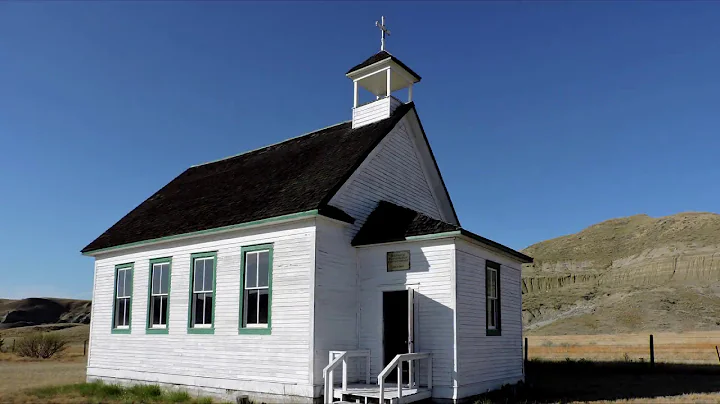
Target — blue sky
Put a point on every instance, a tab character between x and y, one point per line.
544	117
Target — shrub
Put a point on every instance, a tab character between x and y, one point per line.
40	345
2	342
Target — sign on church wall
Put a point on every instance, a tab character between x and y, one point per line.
398	260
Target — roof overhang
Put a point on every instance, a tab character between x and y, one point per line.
468	236
329	212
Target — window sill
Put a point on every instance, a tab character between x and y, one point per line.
493	333
255	331
208	330
156	331
121	330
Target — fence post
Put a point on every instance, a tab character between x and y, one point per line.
652	351
85	348
13	348
526	349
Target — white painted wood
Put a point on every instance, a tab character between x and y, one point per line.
227	359
336	292
371	112
391	172
431	264
486	362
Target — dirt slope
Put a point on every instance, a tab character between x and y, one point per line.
629	274
37	311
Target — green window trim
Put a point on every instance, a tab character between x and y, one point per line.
497	331
148	327
113	329
242	329
190	328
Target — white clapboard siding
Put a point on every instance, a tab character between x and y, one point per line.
392	173
336	297
374	111
276	363
486	362
431	275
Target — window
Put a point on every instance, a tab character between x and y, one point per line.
159	296
123	298
256	289
492	297
202	293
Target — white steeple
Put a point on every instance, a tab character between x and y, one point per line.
381	75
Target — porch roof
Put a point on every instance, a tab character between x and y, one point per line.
390	223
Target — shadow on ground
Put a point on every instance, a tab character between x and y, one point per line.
567	381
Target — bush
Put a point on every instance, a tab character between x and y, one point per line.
40	345
2	342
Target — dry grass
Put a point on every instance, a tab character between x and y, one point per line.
16	376
689	347
75	334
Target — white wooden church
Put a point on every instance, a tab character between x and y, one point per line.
331	266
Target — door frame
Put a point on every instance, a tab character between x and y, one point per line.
415	287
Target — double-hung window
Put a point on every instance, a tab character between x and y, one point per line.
202	293
256	289
492	297
159	299
123	298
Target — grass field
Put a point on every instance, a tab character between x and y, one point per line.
689	347
569	369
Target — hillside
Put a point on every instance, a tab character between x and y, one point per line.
38	311
629	274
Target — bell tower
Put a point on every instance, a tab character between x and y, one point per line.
381	74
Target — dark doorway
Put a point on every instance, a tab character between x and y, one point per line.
395	329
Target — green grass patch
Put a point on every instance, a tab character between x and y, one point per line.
113	393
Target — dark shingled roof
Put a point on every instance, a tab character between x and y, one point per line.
390	222
382	55
296	175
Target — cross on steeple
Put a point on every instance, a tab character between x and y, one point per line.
383	29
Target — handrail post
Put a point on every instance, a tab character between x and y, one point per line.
344	374
430	373
399	381
381	381
367	369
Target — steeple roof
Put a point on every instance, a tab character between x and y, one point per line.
379	57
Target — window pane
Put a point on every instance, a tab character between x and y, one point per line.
208	285
208	308
157	272
165	278
251	306
128	283
263	306
198	281
163	311
198	308
251	270
155	309
121	282
263	268
118	312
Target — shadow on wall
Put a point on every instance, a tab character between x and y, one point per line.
551	382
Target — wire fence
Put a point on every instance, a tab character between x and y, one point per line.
691	348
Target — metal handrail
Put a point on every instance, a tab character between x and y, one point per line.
340	357
397	362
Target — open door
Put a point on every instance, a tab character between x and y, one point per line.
411	320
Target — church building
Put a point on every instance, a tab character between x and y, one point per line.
330	266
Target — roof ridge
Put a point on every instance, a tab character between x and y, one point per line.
270	145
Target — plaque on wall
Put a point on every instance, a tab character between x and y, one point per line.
398	260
